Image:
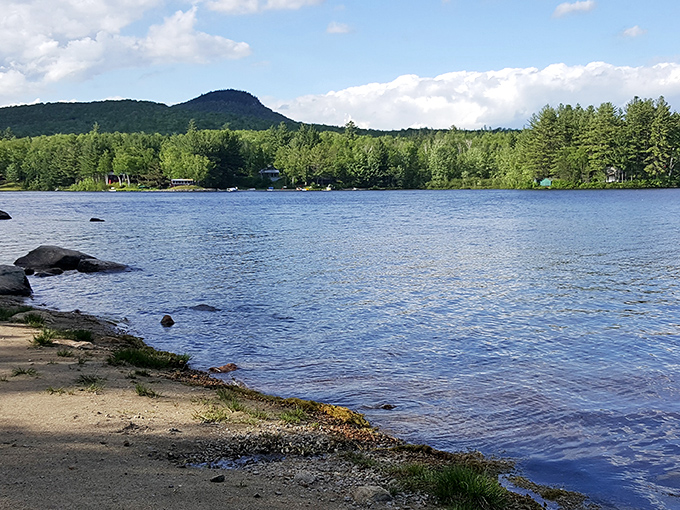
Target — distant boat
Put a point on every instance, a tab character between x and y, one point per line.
232	189
112	189
270	188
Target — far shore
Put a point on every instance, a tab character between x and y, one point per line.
78	430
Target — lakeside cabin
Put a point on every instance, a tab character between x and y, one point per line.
181	182
270	173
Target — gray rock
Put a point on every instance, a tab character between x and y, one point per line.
13	282
370	494
95	265
167	321
305	478
47	257
4	216
53	271
96	220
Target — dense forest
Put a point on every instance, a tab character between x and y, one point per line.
635	146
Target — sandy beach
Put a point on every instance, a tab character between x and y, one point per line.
79	432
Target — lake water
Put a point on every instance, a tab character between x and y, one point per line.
539	325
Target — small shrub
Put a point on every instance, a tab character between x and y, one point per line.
65	353
147	357
294	416
144	391
44	338
17	371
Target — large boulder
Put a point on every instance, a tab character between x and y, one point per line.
45	258
13	282
4	216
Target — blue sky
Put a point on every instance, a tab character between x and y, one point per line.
386	64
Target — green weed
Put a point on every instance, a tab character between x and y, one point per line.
57	391
293	417
213	414
147	357
144	391
34	320
91	383
44	338
79	335
65	353
7	313
17	371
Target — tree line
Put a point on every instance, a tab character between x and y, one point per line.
637	146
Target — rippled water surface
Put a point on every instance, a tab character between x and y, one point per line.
541	325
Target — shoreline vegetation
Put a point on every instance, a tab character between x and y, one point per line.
94	416
564	147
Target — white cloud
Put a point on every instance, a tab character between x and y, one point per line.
505	98
177	41
338	28
49	41
635	31
253	6
570	7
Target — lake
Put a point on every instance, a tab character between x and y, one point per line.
538	325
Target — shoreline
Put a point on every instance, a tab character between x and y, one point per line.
168	435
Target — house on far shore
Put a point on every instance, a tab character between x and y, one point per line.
181	182
614	174
270	173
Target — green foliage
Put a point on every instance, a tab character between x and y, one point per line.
34	320
591	147
147	357
65	353
213	414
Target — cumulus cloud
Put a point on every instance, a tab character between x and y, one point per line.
338	28
48	41
635	31
504	98
570	7
253	6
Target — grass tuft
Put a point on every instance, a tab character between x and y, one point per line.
147	357
294	416
144	391
91	383
44	338
17	371
7	313
65	353
79	335
35	320
213	414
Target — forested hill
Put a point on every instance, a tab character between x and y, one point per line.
214	110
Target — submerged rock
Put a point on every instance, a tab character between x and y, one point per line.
4	216
13	282
204	308
96	265
96	220
229	367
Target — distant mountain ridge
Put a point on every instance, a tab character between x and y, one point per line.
213	110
